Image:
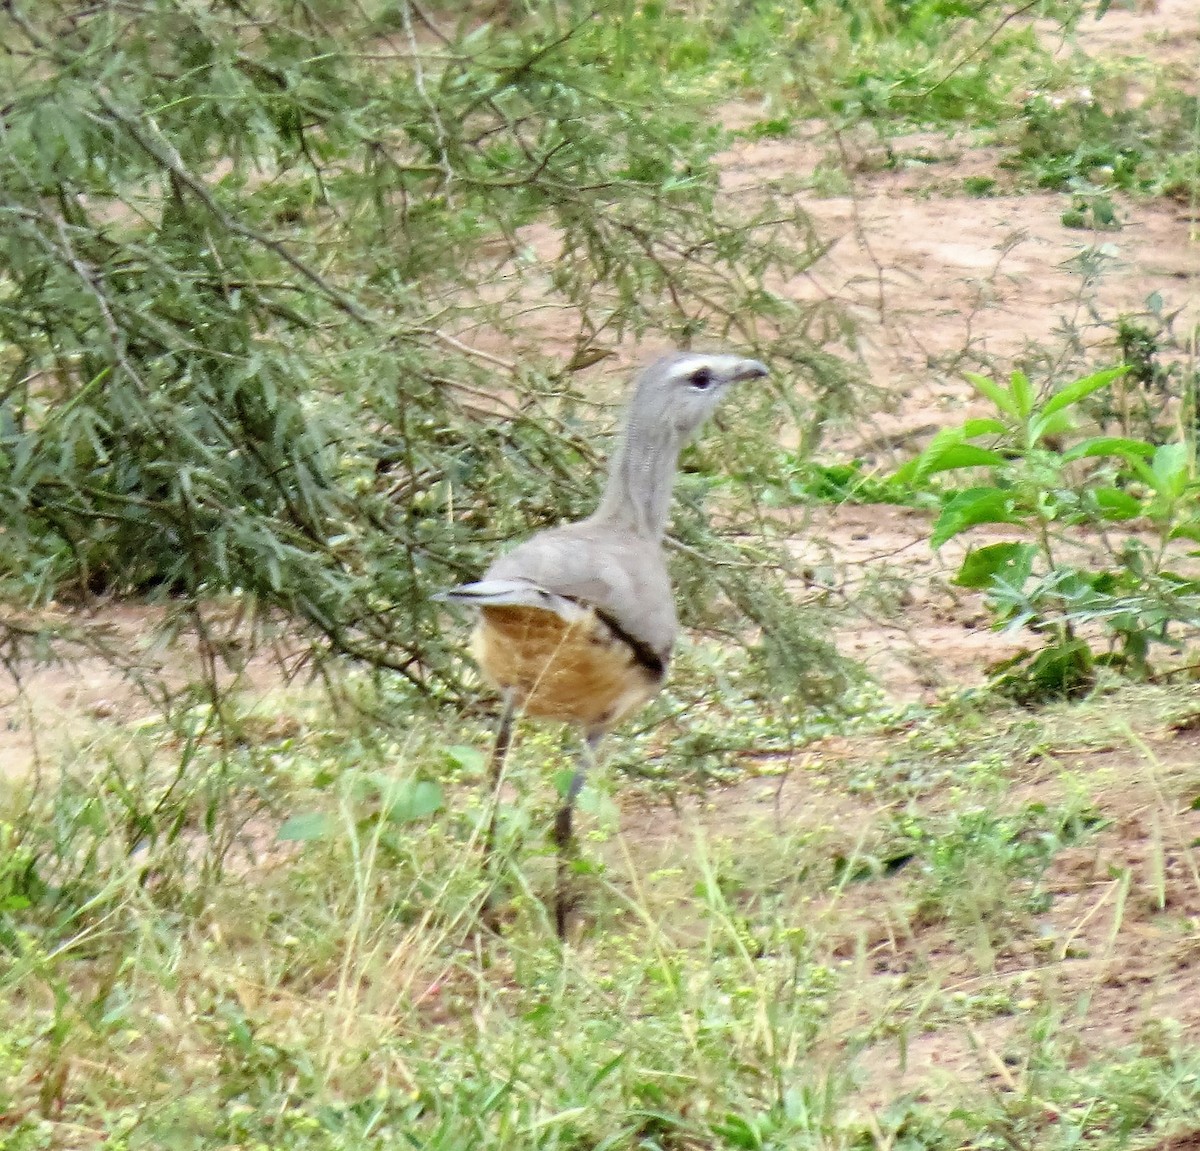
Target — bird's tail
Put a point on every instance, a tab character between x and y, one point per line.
512	593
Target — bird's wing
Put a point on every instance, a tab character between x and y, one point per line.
570	569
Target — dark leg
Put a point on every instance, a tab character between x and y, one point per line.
496	778
564	835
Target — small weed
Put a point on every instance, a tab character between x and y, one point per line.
980	186
1091	210
807	481
980	870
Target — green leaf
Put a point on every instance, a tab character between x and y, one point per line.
971	507
1111	446
983	427
1022	393
1063	670
994	392
470	759
562	781
1012	562
945	452
738	1131
1117	504
1055	424
1171	468
1188	530
305	828
1076	391
959	456
415	800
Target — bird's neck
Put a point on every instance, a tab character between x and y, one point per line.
637	497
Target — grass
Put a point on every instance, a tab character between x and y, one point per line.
788	961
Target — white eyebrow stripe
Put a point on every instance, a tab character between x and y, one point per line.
686	367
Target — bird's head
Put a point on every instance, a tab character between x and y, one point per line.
680	391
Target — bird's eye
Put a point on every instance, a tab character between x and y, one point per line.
701	379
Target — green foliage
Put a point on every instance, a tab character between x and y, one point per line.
809	481
269	314
1074	141
980	867
1042	480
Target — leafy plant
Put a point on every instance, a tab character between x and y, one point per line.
983	867
269	308
1042	487
1159	390
1089	143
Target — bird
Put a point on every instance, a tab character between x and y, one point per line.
577	623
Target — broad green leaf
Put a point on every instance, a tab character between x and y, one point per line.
1022	393
1075	392
994	392
945	452
1171	467
1188	530
960	456
562	781
1011	562
943	439
983	427
916	469
1055	424
415	800
1111	446
305	828
1142	470
971	507
1117	504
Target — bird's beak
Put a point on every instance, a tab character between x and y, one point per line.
749	370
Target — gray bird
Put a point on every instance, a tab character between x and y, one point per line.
578	622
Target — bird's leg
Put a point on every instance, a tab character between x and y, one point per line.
496	777
564	835
500	748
